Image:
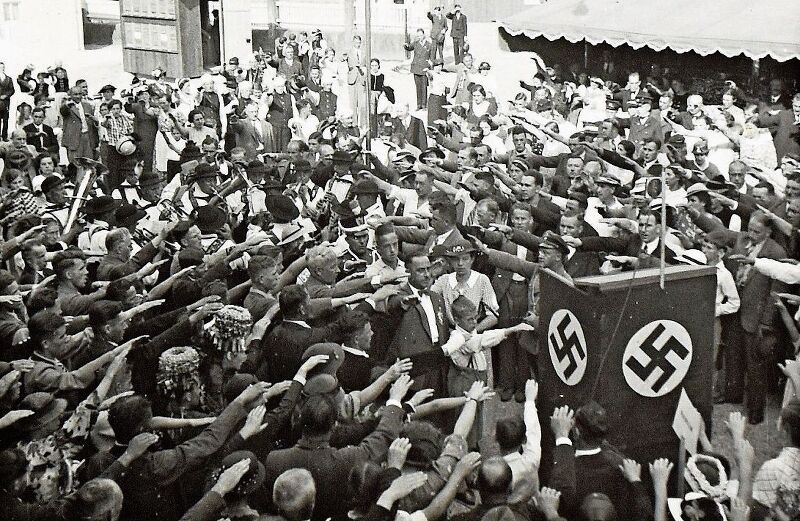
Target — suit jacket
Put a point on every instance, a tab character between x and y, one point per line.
415	131
71	137
458	25
421	59
46	140
438	26
413	339
277	358
784	129
427	238
248	138
639	131
583	264
757	306
356	73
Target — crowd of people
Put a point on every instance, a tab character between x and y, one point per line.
239	298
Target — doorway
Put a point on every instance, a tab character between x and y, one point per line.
210	27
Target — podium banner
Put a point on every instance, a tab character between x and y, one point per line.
622	341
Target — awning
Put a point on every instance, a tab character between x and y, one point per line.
756	28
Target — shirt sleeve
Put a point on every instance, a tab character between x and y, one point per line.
532	448
782	271
489	297
730	295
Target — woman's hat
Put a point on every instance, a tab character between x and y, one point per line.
253	478
126	146
128	215
209	218
459	248
101	205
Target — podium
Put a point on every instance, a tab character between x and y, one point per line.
629	345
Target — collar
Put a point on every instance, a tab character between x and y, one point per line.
301	323
42	358
471	280
443	237
587	452
259	292
354	351
314	442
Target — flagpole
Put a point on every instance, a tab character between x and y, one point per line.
663	252
368	35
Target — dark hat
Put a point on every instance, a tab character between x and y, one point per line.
340	156
45	407
271	183
432	151
190	256
644	97
458	248
365	186
718	182
676	139
205	171
17	157
553	241
335	358
302	165
236	384
149	179
128	214
190	151
253	478
209	218
701	146
257	167
101	205
108	88
440	250
321	384
612	104
593	418
233	61
51	182
282	208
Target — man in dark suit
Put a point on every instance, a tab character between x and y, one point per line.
778	98
421	62
751	329
458	30
254	135
643	124
631	91
411	126
79	126
529	186
785	127
39	135
438	32
278	356
577	263
422	328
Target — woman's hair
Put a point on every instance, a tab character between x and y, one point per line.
479	88
628	146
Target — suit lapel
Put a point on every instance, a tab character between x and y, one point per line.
424	319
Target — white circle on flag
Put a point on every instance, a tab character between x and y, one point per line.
657	358
567	346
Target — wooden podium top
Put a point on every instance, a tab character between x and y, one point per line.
644	277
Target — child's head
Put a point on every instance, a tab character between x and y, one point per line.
264	271
465	313
16	179
714	247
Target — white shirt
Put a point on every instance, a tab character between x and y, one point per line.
410	201
526	463
430	313
726	291
522	253
593	216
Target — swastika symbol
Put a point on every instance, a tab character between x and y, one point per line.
657	358
567	346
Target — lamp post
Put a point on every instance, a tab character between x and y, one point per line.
368	37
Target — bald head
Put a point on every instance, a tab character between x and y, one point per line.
494	477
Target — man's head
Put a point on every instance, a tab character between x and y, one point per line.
48	333
694	104
519	137
70	268
293	302
509	433
650	149
571	223
792	188
494	478
97	499
467	157
574	166
38	116
323	264
764	193
521	218
357	240
486	212
118	241
33	254
387	244
443	217
264	271
130	416
19	139
529	185
294	494
419	272
737	171
318	415
758	229
106	321
552	251
649	226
